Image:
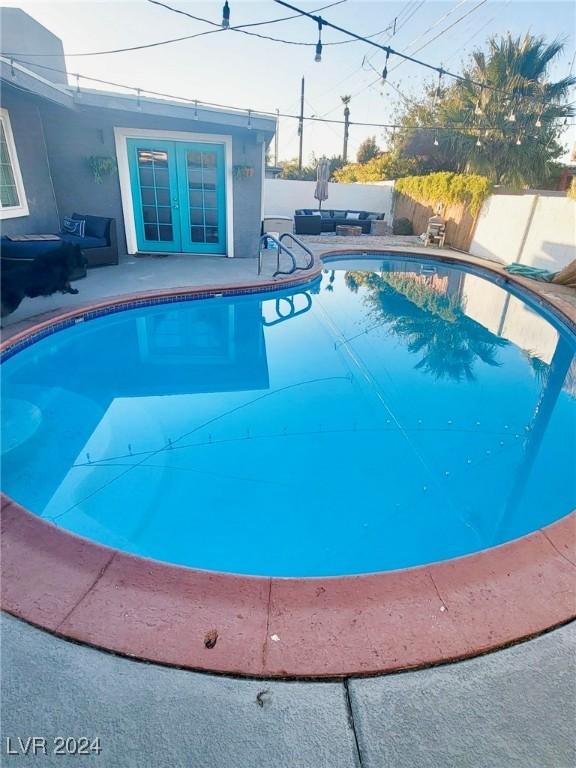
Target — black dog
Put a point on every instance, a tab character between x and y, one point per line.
40	275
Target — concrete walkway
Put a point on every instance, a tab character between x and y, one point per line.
511	709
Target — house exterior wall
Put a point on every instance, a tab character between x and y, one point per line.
73	136
27	128
21	34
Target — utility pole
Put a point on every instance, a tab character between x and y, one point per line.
301	126
346	125
276	138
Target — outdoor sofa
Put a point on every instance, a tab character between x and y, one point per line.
308	221
98	245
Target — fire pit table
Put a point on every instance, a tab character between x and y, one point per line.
347	230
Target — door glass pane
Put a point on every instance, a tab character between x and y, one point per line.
202	191
197	216
154	178
151	232
163	196
197	234
148	196
165	215
161	177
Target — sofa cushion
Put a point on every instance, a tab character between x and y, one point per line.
74	226
96	226
353	215
85	242
339	214
326	214
363	215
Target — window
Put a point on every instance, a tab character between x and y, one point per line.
12	196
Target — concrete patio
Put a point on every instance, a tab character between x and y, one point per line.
149	273
513	709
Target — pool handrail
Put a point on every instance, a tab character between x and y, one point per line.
282	247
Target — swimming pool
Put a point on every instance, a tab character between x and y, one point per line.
393	414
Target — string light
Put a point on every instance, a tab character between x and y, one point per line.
436	139
385	70
511	117
12	70
518	141
195	115
478	142
138	104
226	16
249	124
78	91
538	122
318	56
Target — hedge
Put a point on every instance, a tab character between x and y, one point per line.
447	188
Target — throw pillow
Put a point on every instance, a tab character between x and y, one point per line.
73	226
352	215
96	226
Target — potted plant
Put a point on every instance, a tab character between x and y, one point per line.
101	167
243	171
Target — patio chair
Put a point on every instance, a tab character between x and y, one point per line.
435	232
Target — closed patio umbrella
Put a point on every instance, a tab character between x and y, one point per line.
322	176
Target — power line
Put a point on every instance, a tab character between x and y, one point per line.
198	102
158	43
443	31
252	34
392	52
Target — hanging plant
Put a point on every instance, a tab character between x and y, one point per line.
101	167
243	171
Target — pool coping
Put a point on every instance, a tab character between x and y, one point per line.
286	627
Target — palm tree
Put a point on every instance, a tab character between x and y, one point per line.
508	131
518	132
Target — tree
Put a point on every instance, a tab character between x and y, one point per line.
509	131
367	150
290	170
386	166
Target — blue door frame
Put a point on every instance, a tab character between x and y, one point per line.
178	195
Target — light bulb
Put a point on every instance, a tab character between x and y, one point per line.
226	15
318	56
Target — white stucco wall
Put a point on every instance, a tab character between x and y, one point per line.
535	229
282	197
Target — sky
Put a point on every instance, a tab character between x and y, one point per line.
234	69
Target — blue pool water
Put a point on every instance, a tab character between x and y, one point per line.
390	415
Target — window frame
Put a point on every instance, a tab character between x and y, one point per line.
22	209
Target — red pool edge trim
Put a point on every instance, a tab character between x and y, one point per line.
285	627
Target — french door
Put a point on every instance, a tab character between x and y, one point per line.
178	195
